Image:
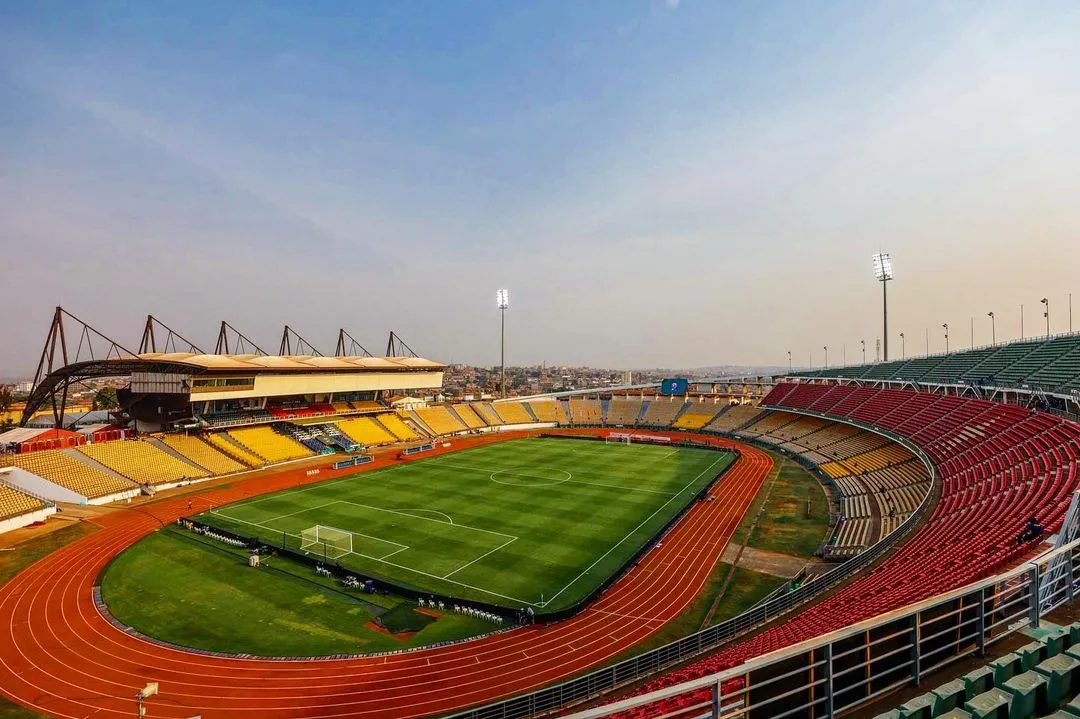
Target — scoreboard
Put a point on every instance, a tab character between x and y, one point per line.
677	386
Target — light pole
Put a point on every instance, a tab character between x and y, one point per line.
789	360
826	348
993	328
1046	314
502	299
883	271
863	343
946	326
903	347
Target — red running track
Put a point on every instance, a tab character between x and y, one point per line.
59	656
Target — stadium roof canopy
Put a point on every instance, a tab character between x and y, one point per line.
187	363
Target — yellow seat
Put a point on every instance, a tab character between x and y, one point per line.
548	411
231	449
440	420
585	411
202	454
698	415
366	431
513	413
469	416
70	473
13	503
142	462
397	427
270	445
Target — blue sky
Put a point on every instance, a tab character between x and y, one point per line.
657	182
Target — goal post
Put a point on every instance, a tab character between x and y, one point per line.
617	439
329	541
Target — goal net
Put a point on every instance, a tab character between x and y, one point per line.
617	439
328	541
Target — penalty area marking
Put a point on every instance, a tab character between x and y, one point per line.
449	519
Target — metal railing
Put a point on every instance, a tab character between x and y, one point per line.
648	664
855	665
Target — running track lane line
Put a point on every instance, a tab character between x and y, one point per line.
63	658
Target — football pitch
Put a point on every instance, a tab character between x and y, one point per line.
526	523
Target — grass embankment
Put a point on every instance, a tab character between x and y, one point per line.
22	556
783	526
185	590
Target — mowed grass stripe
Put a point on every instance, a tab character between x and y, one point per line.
528	536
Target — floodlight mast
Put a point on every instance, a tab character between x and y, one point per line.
883	272
502	300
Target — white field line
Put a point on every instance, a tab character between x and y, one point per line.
449	519
415	571
568	481
465	566
427	519
635	529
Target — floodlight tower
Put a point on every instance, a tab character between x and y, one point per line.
1046	314
502	300
883	272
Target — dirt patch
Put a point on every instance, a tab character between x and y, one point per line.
397	636
764	561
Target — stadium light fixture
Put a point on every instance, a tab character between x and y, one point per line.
1046	314
993	328
863	343
789	360
883	272
903	347
826	348
502	300
946	326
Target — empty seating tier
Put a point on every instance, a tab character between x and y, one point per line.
585	411
484	410
469	416
203	454
142	462
232	449
397	427
440	420
999	465
698	414
513	413
735	417
14	503
623	411
1051	364
72	473
548	411
661	412
366	431
268	444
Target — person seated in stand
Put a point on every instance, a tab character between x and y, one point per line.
1032	530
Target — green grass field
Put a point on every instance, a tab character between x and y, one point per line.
197	593
533	522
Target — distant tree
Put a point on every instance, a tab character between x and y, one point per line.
7	398
106	399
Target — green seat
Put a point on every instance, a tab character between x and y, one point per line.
921	707
1005	668
1056	642
950	695
992	704
1074	634
978	681
891	714
1061	714
1060	673
1073	707
955	714
1029	692
1031	654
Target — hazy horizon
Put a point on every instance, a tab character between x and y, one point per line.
658	183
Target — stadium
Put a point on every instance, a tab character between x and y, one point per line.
291	535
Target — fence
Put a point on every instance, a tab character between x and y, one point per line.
852	666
